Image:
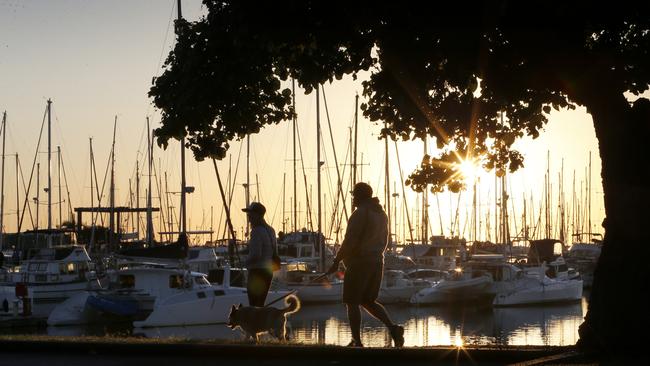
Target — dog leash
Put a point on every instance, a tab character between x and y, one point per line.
280	298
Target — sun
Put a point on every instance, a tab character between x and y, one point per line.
470	170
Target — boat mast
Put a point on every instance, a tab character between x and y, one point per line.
17	203
425	207
318	180
295	191
49	171
589	200
58	152
183	186
2	179
149	163
247	191
354	154
387	186
38	196
111	231
284	186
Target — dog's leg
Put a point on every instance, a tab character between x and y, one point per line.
281	330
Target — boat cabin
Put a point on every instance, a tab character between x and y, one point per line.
159	282
54	265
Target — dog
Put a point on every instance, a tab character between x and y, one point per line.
257	320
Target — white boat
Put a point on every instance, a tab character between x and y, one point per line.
138	287
304	247
460	287
427	274
396	287
309	288
52	275
201	303
162	296
584	258
514	286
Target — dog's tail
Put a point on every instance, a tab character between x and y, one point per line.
293	304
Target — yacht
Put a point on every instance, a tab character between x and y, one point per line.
513	286
153	296
51	275
311	286
460	286
584	258
396	287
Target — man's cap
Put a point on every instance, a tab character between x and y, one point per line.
362	190
255	207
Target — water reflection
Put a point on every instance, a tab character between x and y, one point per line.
425	326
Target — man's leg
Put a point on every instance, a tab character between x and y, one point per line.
378	311
354	317
254	287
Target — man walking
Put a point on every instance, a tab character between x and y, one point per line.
261	245
362	252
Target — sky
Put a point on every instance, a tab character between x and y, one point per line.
96	59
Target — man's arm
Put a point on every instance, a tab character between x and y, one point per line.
254	247
353	233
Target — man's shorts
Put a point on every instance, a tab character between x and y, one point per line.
362	282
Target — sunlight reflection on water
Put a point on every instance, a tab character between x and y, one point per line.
424	326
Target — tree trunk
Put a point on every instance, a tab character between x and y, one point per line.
616	324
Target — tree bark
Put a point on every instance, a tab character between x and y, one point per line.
617	322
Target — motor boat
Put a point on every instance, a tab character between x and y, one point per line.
513	286
460	286
52	275
310	286
201	303
396	287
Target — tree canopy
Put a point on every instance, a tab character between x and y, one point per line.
475	78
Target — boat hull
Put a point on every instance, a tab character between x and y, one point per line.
318	293
210	306
474	290
544	292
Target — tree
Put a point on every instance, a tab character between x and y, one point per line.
475	78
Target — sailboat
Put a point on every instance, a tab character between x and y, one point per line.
48	276
304	252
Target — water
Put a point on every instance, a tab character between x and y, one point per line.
553	325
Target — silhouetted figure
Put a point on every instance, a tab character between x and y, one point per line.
261	245
362	252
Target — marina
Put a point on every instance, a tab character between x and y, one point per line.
325	177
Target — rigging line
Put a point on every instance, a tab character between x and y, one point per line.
336	162
339	218
304	175
67	189
198	174
277	203
456	223
234	178
162	211
29	207
401	177
162	48
31	176
512	205
64	151
227	209
101	194
99	200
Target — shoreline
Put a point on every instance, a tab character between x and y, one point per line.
132	351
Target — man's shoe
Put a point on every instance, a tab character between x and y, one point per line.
397	333
354	343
